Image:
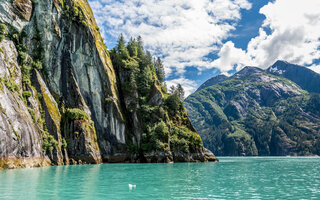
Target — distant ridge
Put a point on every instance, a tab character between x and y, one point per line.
212	81
304	77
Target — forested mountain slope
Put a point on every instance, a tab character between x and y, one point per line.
256	113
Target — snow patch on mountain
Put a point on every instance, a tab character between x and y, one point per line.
275	69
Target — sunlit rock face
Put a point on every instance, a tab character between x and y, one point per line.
79	70
78	74
19	137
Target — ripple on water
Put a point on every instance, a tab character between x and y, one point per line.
231	178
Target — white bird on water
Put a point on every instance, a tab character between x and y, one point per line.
132	186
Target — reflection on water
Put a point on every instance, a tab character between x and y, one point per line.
232	178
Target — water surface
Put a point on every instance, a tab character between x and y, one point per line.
231	178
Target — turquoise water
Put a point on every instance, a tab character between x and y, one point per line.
231	178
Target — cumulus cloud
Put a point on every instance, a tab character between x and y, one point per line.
315	68
182	32
291	32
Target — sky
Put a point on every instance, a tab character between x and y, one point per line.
199	39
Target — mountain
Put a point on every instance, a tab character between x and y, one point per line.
256	113
212	81
302	76
63	102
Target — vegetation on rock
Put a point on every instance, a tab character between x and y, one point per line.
165	125
75	113
49	143
3	31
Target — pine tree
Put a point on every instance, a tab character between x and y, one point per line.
180	92
149	58
122	49
159	69
147	61
133	47
141	53
172	89
145	81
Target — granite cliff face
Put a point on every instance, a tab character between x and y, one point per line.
60	102
256	113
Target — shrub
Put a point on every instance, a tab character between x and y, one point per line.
2	37
74	14
157	138
182	139
108	99
1	81
21	48
23	56
76	113
64	143
33	116
49	143
161	130
173	102
26	94
37	65
15	37
84	23
11	85
3	31
26	72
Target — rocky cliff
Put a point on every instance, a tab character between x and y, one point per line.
60	99
256	113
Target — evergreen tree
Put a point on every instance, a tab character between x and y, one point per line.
149	58
172	89
173	102
145	81
159	69
133	47
141	53
180	92
122	49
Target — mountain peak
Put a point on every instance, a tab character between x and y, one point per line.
281	62
248	70
212	81
304	77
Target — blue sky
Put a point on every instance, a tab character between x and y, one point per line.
203	38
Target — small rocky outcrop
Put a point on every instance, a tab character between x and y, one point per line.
23	8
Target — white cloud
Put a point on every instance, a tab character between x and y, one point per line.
183	32
230	57
294	37
315	68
